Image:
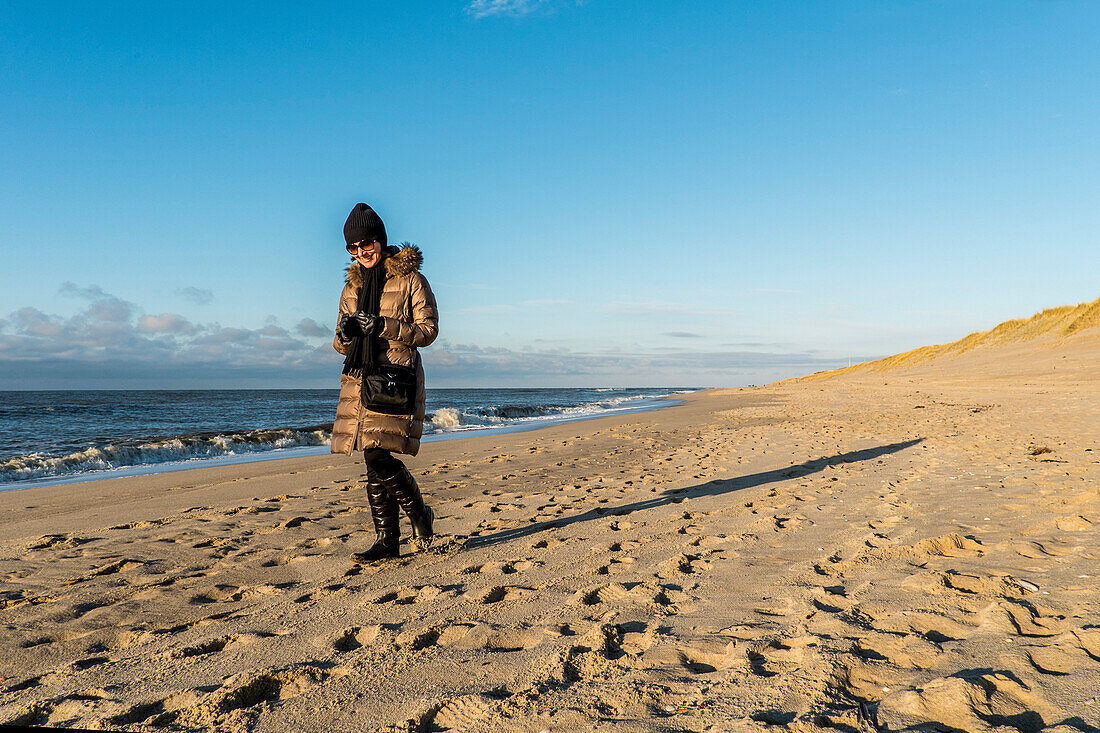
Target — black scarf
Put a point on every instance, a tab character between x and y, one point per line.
360	356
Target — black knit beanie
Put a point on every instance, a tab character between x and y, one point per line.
364	224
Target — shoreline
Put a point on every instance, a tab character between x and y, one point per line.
646	404
125	494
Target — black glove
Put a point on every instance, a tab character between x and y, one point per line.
367	323
347	328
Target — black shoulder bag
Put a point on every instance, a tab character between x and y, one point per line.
390	389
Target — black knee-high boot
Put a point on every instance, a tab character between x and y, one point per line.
402	486
383	510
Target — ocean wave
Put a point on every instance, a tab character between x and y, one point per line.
160	450
447	419
450	419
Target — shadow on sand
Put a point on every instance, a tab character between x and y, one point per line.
675	496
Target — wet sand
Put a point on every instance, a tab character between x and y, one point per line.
899	550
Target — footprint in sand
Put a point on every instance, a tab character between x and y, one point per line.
51	541
1052	660
214	542
238	693
715	541
219	644
778	606
582	662
1033	550
865	681
32	682
131	637
831	599
499	593
88	663
294	522
35	714
415	594
218	594
966	703
78	610
900	651
514	640
1031	620
788	521
931	626
707	657
464	635
142	524
964	582
457	714
14	598
682	565
418	638
950	545
603	594
283	559
878	540
354	637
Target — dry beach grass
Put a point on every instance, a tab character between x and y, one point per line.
876	549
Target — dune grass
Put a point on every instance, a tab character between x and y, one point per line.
1060	322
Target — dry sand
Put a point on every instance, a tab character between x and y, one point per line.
915	549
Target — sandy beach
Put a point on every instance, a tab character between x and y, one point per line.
903	549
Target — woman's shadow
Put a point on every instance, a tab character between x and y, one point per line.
675	496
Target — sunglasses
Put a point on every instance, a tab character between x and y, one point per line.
366	245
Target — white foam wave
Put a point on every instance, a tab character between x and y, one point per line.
449	419
176	448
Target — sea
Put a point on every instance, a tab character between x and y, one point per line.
62	436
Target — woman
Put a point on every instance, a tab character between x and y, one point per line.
387	311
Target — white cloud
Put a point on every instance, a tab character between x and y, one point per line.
111	338
92	292
273	331
165	323
312	329
199	296
489	8
104	307
33	322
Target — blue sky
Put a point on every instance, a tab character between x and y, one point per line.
606	193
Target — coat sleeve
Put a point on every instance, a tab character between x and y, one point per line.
425	317
346	306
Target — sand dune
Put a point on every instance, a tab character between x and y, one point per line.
1045	335
914	549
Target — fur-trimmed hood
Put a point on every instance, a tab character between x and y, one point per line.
398	261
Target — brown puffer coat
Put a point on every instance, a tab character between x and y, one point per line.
410	320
